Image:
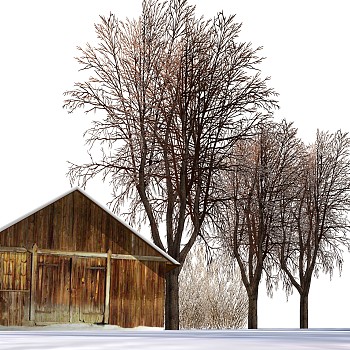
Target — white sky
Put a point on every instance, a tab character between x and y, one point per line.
306	45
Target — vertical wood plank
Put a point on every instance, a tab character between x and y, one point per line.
108	286
72	289
33	282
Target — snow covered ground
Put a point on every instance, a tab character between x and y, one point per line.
97	337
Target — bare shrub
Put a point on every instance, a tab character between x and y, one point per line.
212	295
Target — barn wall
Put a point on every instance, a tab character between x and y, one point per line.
71	288
140	302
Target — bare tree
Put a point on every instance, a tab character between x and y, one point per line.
315	222
262	169
212	294
177	92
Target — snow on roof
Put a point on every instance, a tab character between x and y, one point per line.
167	256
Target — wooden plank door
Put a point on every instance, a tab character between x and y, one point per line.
88	290
52	296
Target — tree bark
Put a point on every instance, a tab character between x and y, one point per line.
304	310
172	299
253	310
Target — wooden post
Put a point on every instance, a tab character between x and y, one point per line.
108	286
33	282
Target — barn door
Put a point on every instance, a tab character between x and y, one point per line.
88	289
52	296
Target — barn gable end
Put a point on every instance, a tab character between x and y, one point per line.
72	260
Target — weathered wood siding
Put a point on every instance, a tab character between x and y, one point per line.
57	283
140	302
52	296
88	289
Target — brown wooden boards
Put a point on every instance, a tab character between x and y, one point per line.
74	261
137	293
88	290
58	288
52	297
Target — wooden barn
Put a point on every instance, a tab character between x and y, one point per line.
72	260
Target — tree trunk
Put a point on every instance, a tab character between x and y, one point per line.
172	299
253	310
304	310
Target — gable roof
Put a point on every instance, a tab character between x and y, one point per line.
103	207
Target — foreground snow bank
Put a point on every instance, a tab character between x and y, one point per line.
110	337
